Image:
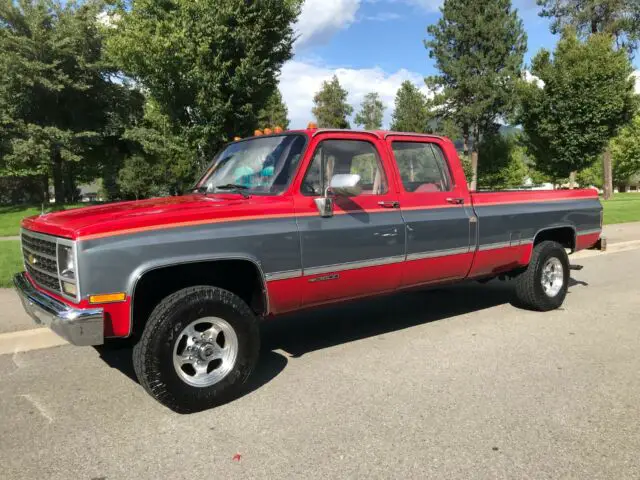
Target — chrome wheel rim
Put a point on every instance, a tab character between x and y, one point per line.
205	351
552	278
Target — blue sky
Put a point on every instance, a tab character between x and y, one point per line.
373	45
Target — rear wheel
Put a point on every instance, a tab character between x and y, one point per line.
543	285
197	349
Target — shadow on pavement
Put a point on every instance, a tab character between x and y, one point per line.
317	329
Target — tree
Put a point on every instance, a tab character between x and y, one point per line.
330	105
371	112
410	113
625	149
274	113
478	48
587	97
620	18
208	66
507	168
58	107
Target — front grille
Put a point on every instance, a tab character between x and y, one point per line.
40	259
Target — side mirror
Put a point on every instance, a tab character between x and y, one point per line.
345	185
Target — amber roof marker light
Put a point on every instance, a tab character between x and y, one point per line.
312	126
277	130
258	133
268	131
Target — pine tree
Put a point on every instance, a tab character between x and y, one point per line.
371	112
330	105
59	112
478	48
274	113
410	113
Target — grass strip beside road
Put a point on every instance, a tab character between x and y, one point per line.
10	262
12	215
622	208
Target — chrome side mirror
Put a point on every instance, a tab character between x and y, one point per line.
346	185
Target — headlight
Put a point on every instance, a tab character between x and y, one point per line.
66	262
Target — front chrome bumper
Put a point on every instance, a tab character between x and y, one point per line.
79	326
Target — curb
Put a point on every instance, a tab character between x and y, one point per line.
611	248
26	340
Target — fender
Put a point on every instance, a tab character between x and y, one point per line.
527	257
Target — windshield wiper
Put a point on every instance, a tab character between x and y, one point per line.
235	187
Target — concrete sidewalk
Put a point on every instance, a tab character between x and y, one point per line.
13	318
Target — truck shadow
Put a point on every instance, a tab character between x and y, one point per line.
308	331
313	330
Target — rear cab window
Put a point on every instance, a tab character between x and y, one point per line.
422	167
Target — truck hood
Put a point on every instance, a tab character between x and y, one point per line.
130	217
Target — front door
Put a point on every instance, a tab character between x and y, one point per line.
436	207
360	249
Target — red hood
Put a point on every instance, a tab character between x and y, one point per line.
130	217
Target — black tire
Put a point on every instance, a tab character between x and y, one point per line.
153	354
530	293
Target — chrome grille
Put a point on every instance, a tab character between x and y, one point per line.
39	253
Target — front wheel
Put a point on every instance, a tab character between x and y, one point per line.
543	285
197	349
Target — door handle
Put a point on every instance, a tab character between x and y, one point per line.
456	201
389	204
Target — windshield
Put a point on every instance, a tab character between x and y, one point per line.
263	165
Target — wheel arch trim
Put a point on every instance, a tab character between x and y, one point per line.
146	268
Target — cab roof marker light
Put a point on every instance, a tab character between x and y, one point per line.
277	129
258	133
312	126
268	131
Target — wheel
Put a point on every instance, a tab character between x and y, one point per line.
197	349
543	285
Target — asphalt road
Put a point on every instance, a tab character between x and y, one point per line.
449	384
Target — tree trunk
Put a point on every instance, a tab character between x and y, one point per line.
572	179
608	175
465	142
57	173
474	169
45	188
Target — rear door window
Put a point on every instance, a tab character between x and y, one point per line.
422	167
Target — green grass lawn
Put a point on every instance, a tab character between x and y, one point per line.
622	208
10	216
10	262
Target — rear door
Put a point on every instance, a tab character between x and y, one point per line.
360	249
436	206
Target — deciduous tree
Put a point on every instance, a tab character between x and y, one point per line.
209	66
625	149
586	98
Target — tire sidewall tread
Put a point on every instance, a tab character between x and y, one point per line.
153	354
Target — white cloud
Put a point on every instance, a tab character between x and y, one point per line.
300	80
531	78
383	17
321	19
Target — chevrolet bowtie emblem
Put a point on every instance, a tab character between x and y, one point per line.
33	260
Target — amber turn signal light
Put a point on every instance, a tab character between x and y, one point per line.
108	298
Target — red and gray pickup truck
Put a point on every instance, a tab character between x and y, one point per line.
279	223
